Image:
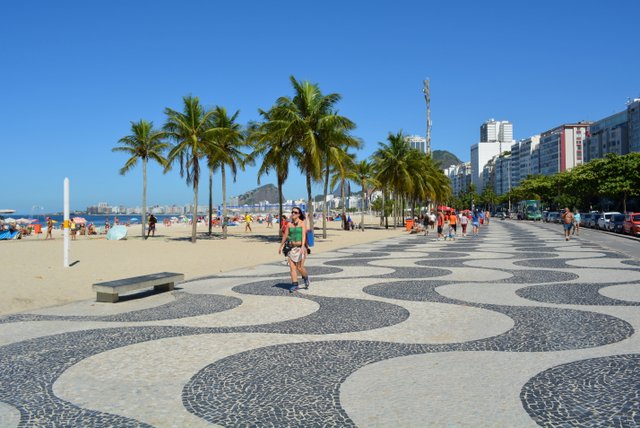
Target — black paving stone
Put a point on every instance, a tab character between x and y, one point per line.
598	392
185	305
572	294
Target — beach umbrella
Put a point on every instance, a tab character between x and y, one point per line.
25	220
117	232
9	220
79	220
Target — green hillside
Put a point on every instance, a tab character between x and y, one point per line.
445	158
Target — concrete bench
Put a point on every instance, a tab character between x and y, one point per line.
109	291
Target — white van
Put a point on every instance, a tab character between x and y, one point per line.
603	220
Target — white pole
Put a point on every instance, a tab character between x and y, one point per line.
66	223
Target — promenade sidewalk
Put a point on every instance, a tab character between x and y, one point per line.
514	327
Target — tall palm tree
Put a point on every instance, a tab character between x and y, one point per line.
393	167
303	119
191	131
143	143
341	167
335	141
229	137
275	150
362	173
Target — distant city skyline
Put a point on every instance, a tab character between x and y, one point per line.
75	80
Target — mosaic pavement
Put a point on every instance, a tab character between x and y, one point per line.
514	327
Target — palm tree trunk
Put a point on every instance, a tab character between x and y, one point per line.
364	193
384	212
324	205
280	201
395	210
210	197
310	207
344	206
224	200
144	195
194	212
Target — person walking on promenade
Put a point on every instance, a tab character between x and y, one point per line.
49	228
247	222
567	220
440	221
464	220
453	223
152	226
576	223
295	235
475	222
425	223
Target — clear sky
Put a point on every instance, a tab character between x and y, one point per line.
75	73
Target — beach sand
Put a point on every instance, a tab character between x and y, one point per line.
33	276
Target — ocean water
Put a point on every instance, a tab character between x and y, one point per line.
97	220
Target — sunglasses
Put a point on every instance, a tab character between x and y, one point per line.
295	212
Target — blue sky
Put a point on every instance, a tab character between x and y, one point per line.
74	74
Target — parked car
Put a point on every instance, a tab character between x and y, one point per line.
553	217
585	219
603	220
593	220
616	223
631	224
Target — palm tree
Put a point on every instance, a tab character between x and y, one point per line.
144	143
335	141
392	163
275	150
229	137
191	131
362	173
302	120
340	168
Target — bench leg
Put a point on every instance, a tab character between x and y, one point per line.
164	287
107	298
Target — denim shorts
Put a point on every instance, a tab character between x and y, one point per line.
567	226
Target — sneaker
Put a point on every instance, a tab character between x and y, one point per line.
294	288
306	283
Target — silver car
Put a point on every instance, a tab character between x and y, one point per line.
603	220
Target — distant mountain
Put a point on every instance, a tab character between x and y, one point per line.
445	158
268	192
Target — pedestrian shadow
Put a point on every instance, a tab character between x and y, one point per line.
282	286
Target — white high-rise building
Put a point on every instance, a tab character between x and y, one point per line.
496	136
417	142
460	177
496	130
481	153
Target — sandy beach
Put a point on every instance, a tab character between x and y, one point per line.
33	275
